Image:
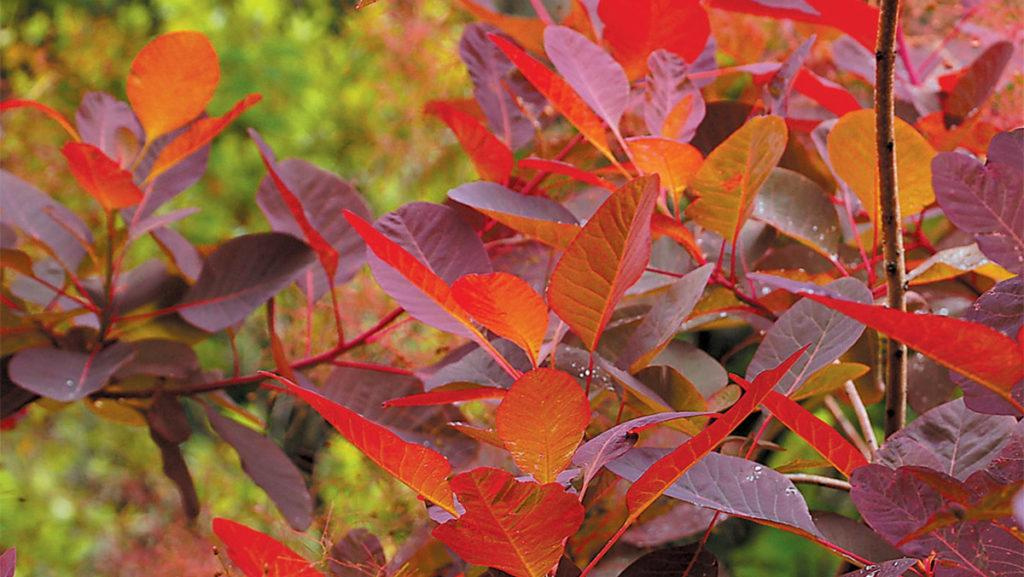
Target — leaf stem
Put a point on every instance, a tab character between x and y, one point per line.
892	233
867	429
820	480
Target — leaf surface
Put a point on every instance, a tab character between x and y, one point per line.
675	162
819	434
534	216
666	562
797	207
259	555
507	306
491	157
100	176
591	72
858	19
65	375
635	29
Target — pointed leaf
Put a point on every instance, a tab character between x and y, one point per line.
421	469
541	421
673	104
171	81
819	434
534	216
43	219
675	162
517	527
108	183
856	18
110	125
635	29
595	76
240	276
605	259
65	375
259	555
446	397
491	157
797	207
969	88
732	174
507	306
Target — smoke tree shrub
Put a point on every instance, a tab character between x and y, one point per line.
637	202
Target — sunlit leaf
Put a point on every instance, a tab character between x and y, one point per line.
534	216
635	29
111	185
507	306
856	18
491	157
590	71
820	435
675	162
259	555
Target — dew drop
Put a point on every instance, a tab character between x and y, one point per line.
69	384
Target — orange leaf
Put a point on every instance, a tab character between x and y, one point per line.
560	167
517	527
662	225
53	114
527	31
111	185
542	420
559	94
635	29
198	135
820	435
506	305
171	81
421	469
606	258
491	157
534	216
675	162
731	175
259	555
657	479
445	397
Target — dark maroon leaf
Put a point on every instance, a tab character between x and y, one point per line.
269	467
967	89
664	320
665	87
854	536
323	196
175	179
39	217
145	284
174	464
185	256
799	208
984	200
1001	308
776	91
895	503
929	384
950	438
50	274
110	125
357	554
672	561
732	485
893	568
439	239
829	334
682	520
65	375
8	562
241	275
1007	148
167	418
476	366
697	366
161	358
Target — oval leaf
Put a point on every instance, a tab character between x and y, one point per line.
635	29
506	305
595	76
534	216
111	185
67	375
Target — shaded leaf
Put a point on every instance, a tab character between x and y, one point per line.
43	219
967	89
507	306
633	30
669	562
776	91
673	105
533	216
541	421
259	555
517	527
604	260
357	554
110	125
894	568
241	275
176	469
108	183
473	364
591	72
491	157
799	208
65	375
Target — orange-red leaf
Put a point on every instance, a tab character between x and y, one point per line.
446	397
491	157
535	216
854	17
560	167
422	469
506	305
111	185
559	94
675	162
53	114
198	135
605	259
826	440
634	29
662	225
974	350
517	527
527	31
171	81
542	420
259	555
657	479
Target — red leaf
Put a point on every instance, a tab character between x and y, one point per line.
325	251
662	225
542	420
973	350
446	397
423	470
668	469
171	81
635	29
605	259
559	167
111	185
517	527
53	114
854	17
559	94
829	443
259	555
198	135
506	305
830	95
491	157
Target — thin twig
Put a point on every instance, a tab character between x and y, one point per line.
866	428
851	432
892	233
819	480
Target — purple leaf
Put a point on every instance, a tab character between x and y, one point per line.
185	256
1001	309
1007	148
776	91
269	467
531	215
496	88
476	365
894	568
669	562
895	503
41	218
161	358
8	562
967	89
146	225
323	196
65	375
110	125
732	485
797	207
590	71
357	554
854	536
663	321
984	200
168	428
666	85
241	275
145	284
829	334
679	522
439	239
950	438
175	179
